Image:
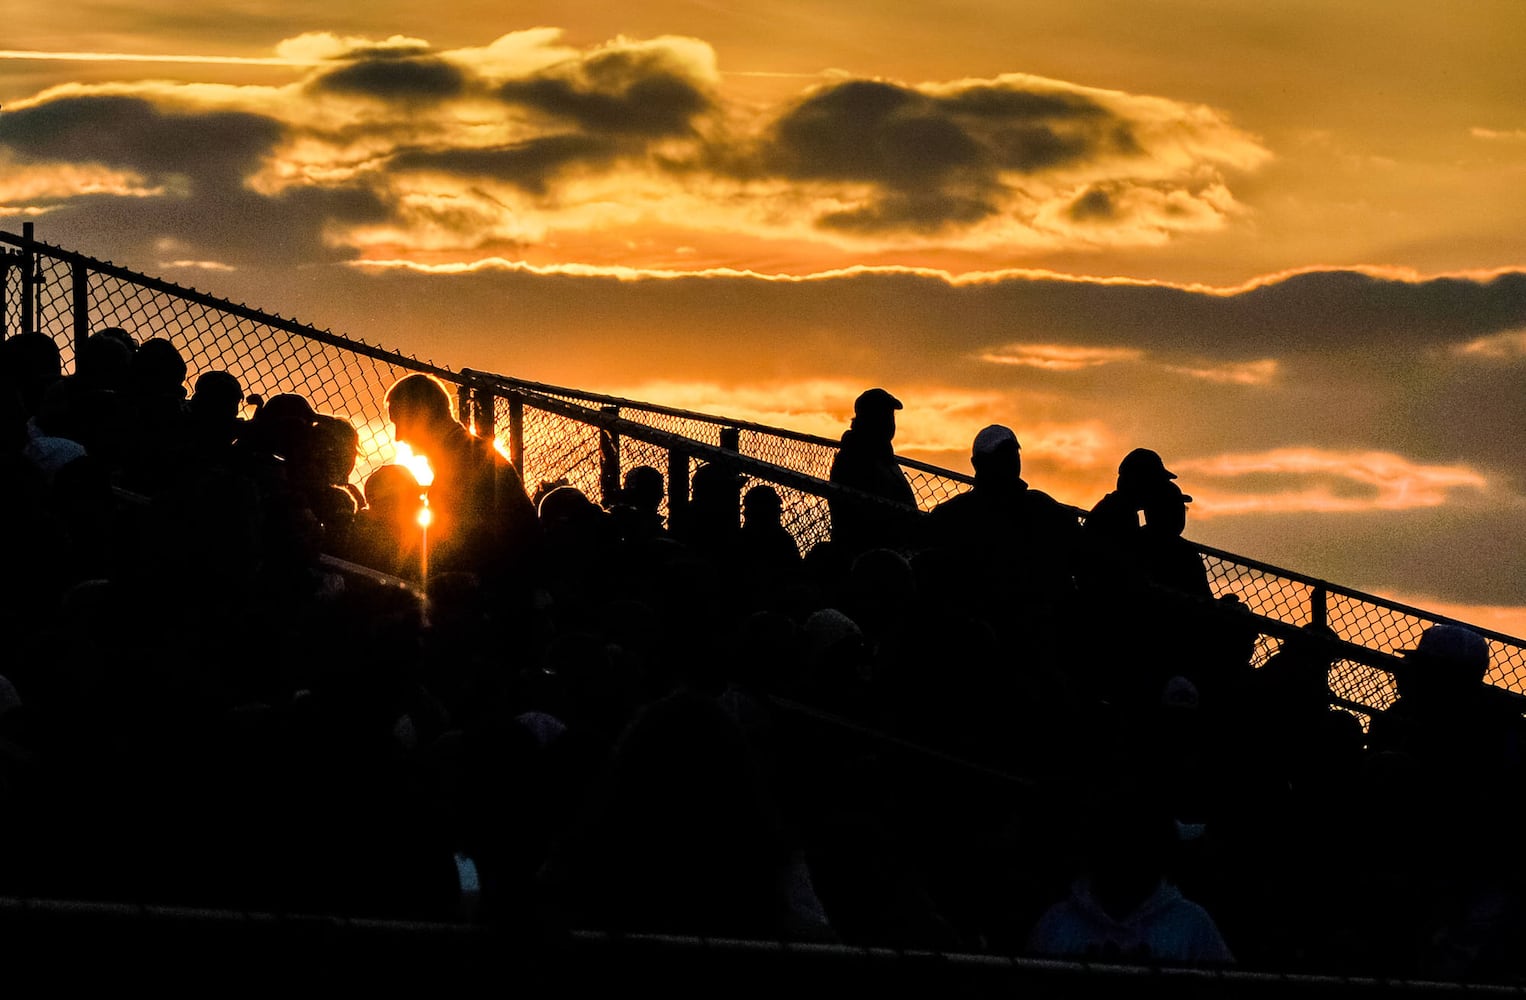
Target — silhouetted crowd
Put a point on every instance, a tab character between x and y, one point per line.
994	726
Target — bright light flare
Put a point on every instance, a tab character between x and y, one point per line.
426	517
416	464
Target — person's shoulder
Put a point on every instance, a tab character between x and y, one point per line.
1112	503
1041	501
954	505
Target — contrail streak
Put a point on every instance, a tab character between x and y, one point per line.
139	57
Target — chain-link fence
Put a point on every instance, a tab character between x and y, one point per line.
592	441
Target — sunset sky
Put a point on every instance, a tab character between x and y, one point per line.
1282	244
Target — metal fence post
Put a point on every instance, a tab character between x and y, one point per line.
28	281
7	260
517	433
464	407
80	279
609	459
485	414
1319	607
678	486
731	438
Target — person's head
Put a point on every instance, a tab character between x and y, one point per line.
337	446
1447	659
715	486
1142	471
567	515
761	505
1165	509
643	488
874	413
104	362
158	368
283	424
996	455
418	406
392	493
217	396
121	336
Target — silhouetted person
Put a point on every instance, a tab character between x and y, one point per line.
578	540
865	461
105	362
1112	526
29	363
483	519
711	521
158	433
637	513
1122	907
217	398
766	556
1165	557
1019	544
1461	743
387	534
333	447
766	542
1446	717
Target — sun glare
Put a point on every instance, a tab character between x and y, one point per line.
416	464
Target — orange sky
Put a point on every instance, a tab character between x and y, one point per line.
1278	243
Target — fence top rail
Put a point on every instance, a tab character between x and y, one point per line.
756	467
509	383
1356	595
240	309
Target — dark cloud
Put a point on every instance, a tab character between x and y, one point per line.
918	212
387	75
202	159
1009	104
529	166
878	132
131	133
619	92
1094	205
935	158
230	225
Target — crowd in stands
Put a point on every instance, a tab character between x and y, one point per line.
993	727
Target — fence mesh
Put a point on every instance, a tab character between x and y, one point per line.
563	434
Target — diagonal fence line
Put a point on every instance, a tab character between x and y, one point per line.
590	440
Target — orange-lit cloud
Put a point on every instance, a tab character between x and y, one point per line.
527	138
1314	480
1246	373
1498	135
1498	347
42	186
1059	357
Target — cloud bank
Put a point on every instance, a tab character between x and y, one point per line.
527	141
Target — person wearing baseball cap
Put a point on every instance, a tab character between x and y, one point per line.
1112	526
865	461
1020	542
